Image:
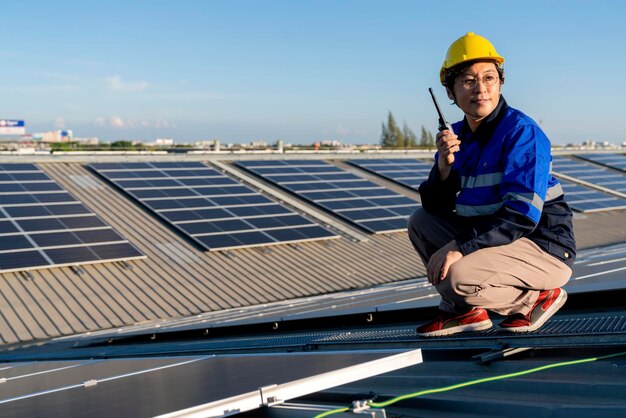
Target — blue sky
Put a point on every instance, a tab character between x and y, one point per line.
299	70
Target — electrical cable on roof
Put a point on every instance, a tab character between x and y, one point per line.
471	382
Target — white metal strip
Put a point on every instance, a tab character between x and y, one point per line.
279	393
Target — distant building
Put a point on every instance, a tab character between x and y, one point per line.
206	144
12	127
163	142
331	143
54	136
258	144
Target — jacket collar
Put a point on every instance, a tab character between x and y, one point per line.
488	126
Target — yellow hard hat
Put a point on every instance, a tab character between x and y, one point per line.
469	47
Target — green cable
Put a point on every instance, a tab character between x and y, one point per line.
472	382
332	412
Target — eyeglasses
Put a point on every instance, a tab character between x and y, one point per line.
469	83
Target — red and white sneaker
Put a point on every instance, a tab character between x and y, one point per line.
548	303
448	323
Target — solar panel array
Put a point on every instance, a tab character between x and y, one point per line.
586	199
616	161
368	205
408	172
211	208
42	225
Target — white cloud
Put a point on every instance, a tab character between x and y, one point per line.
120	123
116	83
59	123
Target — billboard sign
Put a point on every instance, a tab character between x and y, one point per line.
12	127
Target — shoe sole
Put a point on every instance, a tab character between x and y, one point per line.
477	326
558	304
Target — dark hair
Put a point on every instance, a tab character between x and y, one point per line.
452	73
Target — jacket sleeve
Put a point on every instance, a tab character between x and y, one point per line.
525	176
438	196
503	228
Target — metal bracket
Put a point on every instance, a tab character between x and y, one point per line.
268	395
78	270
362	408
498	354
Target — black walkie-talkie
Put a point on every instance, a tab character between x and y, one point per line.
443	124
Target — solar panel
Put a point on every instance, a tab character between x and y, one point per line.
591	173
214	386
42	225
585	199
408	172
214	210
616	161
368	205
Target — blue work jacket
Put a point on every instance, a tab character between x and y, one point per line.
501	187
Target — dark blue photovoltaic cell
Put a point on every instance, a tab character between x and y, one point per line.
179	164
78	209
11	188
22	260
236	240
115	251
215	210
197	228
40	187
16	199
241	200
127	184
217	191
71	255
212	181
29	176
408	172
53	197
93	236
585	199
191	173
32	225
18	167
40	216
196	215
76	222
51	239
278	221
615	161
7	227
246	211
328	177
177	204
123	166
386	224
349	185
148	174
351	197
300	233
14	242
361	214
17	212
156	193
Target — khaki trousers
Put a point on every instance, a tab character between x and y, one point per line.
506	279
